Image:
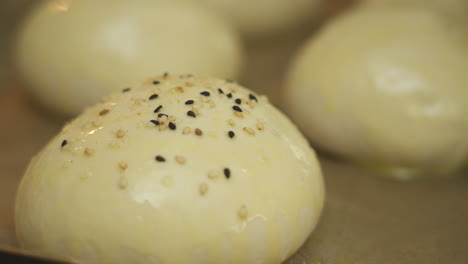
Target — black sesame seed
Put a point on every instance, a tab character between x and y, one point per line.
156	82
252	97
205	93
191	113
189	102
238	101
172	126
220	91
126	90
155	122
227	173
161	115
158	108
229	95
160	158
64	143
153	96
231	134
236	108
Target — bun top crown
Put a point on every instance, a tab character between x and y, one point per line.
190	161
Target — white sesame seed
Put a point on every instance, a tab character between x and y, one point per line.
187	130
123	182
242	212
89	151
260	126
213	174
120	133
123	165
249	131
203	188
181	160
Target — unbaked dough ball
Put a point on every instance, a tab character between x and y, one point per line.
387	88
71	53
180	170
258	18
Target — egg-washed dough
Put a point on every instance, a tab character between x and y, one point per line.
73	52
386	87
260	18
225	178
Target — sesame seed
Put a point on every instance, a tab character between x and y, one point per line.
187	130
89	151
156	82
203	189
162	126
181	160
231	122
114	145
239	114
120	133
162	119
158	108
242	212
238	101
123	182
198	132
153	96
191	113
172	126
249	131
227	173
156	123
166	74
229	95
96	123
160	158
104	112
252	103
205	93
195	110
64	143
231	134
260	126
162	115
189	84
180	89
220	91
123	165
189	102
252	97
213	174
212	104
236	108
171	118
126	90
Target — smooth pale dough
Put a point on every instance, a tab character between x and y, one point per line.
259	18
387	88
103	196
71	53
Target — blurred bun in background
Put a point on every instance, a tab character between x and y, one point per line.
71	53
386	86
259	18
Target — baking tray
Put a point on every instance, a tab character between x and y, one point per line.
367	219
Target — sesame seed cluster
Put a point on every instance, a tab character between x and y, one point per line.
177	104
